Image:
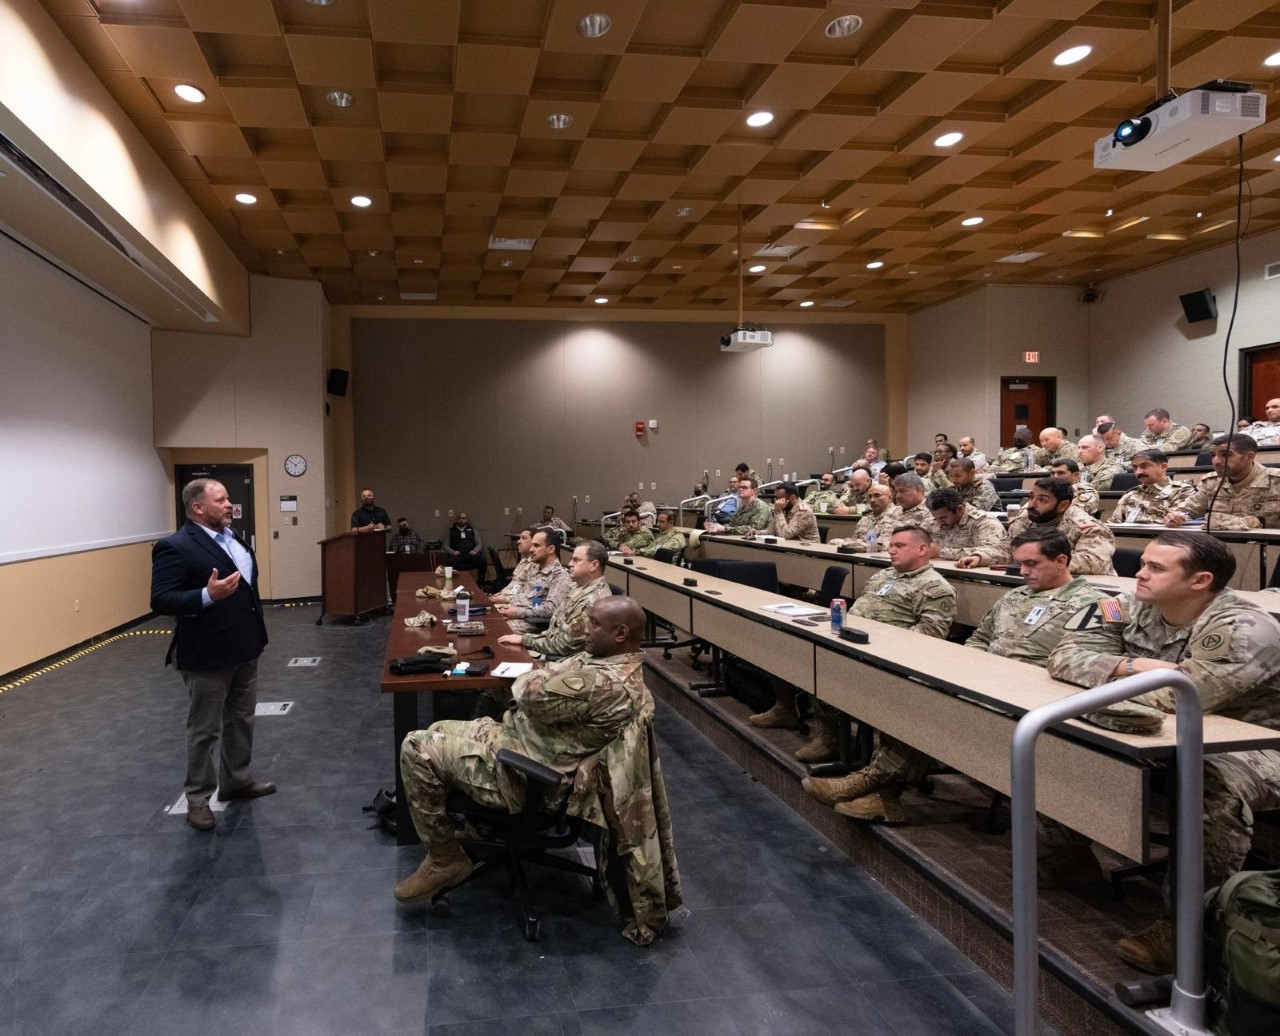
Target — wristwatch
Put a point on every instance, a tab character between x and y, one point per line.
1128	665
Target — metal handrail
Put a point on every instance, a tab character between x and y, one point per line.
1186	1011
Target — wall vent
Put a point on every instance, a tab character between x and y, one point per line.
1271	271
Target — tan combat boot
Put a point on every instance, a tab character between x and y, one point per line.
830	790
1150	950
824	744
782	714
445	866
883	806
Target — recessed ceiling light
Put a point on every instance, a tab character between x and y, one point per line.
601	300
758	268
325	3
759	118
1199	215
372	253
1276	159
684	211
418	262
189	93
1273	60
506	264
677	267
279	251
559	121
875	264
949	139
845	25
512	244
1072	55
593	26
971	221
634	258
245	198
340	98
806	304
1110	211
360	201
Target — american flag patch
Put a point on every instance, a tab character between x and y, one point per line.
1111	610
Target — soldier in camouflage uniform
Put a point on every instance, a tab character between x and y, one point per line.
665	537
909	492
1096	468
1054	446
910	595
1120	447
569	716
792	518
823	498
514	591
1248	499
1162	434
568	630
547	586
1182	616
744	471
1264	433
855	494
1015	458
1086	497
958	529
872	532
939	476
1155	496
979	494
632	536
1050	506
752	514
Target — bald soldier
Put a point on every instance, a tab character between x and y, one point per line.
874	528
855	494
1096	468
1054	446
1240	494
1266	433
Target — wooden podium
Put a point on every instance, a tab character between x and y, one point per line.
353	574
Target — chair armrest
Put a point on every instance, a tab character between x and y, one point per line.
531	768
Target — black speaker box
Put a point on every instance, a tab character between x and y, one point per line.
338	381
1199	305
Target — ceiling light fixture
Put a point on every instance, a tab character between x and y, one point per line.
758	268
1110	211
971	221
601	301
875	264
1272	60
559	121
634	258
806	304
418	262
845	25
506	264
189	93
360	201
322	3
372	253
949	139
593	26
340	98
1199	215
1073	55
684	211
757	119
245	198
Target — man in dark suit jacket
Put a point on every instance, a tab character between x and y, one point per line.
217	638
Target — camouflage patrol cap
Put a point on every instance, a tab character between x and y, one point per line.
1128	717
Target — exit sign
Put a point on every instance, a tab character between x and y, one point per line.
1031	357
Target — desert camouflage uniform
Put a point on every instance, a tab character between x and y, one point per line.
1099	475
980	495
822	501
755	515
797	524
918	515
1251	503
936	480
1176	438
1092	545
974	533
544	594
517	589
568	630
1010	460
878	526
853	498
1087	498
921	601
638	541
1232	654
1027	624
672	540
1150	504
1264	433
1066	451
591	720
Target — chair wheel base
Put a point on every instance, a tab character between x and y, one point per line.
532	928
440	907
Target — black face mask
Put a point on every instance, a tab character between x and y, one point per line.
405	530
367	505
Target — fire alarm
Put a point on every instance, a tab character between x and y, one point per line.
640	429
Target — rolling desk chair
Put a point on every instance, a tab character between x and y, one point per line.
1124	481
1127	561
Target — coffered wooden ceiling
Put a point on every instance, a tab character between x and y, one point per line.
637	200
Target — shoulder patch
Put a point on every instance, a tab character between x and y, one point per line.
577	682
1087	618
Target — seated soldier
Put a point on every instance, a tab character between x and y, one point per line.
939	476
546	587
665	537
1096	468
922	463
1120	447
631	534
1054	445
959	529
1051	506
979	494
872	532
567	632
1182	616
967	448
751	514
564	714
1240	494
1155	496
1162	434
909	493
854	500
550	520
517	587
644	508
744	470
1201	433
890	471
1087	498
1264	433
792	518
823	498
1015	458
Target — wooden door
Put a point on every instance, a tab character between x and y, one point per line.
1028	402
1261	380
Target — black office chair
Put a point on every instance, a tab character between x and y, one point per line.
514	839
763	575
1204	460
616	590
501	575
1124	481
1127	561
1007	483
832	583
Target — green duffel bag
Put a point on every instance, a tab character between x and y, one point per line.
1242	954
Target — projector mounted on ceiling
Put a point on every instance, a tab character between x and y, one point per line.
745	340
1177	128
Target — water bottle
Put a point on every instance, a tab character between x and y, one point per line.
1029	458
837	615
872	537
463	605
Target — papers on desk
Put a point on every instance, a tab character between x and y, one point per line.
510	670
793	610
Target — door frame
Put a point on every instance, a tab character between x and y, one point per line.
1050	403
1244	379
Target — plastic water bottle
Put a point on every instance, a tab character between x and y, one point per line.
463	604
872	537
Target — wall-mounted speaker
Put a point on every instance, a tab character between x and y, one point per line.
337	381
1199	305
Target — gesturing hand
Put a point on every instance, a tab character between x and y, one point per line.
220	588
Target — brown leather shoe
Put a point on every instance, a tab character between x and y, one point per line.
200	817
252	790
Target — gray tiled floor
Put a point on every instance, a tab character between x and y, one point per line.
116	918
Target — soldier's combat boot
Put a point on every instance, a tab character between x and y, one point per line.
882	806
830	790
824	744
782	714
1150	950
445	866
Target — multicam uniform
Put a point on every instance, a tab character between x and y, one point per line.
974	533
1251	503
795	523
1092	545
544	594
1232	654
822	501
980	494
872	531
1087	498
921	601
1124	450
672	540
1027	624
936	480
1151	504
1100	474
1176	438
1066	451
854	498
638	541
568	630
1011	460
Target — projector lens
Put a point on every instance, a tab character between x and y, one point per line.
1132	130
